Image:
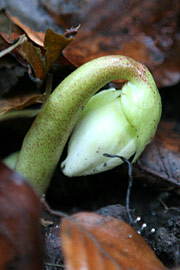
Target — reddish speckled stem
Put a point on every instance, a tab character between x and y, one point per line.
45	141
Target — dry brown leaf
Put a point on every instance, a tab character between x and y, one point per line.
9	34
8	30
19	102
20	243
93	242
33	56
144	30
161	159
39	57
31	17
54	43
37	37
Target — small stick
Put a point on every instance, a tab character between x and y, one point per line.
129	184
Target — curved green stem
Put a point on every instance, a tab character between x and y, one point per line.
45	141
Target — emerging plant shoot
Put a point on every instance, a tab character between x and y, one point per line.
131	118
118	122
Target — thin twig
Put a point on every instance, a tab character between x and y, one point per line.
129	184
12	47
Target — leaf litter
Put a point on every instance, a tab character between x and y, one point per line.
159	206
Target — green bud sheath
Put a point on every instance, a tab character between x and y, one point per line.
44	142
102	128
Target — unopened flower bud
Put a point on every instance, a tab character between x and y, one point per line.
118	122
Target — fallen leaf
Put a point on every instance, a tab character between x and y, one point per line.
54	43
41	57
64	7
160	162
37	37
20	242
168	73
19	102
8	30
31	17
90	241
144	30
9	34
34	57
67	13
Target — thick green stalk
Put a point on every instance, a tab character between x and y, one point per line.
45	141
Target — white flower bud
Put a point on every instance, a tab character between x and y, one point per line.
104	127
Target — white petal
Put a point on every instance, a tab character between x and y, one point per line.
101	130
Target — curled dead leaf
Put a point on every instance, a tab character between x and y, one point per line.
41	62
41	57
37	37
54	43
33	56
144	30
20	243
160	162
95	242
31	17
8	30
19	102
9	34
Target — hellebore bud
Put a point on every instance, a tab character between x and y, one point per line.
119	122
139	108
